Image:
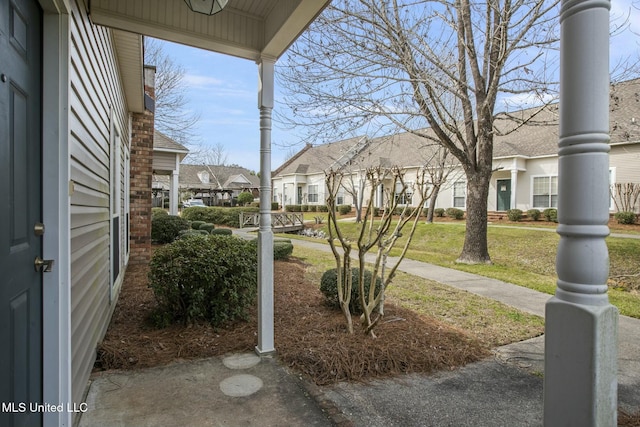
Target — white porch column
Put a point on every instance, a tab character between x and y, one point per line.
265	234
514	185
580	384
173	193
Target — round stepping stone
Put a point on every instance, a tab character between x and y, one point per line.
241	361
240	385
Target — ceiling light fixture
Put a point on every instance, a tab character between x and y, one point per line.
207	7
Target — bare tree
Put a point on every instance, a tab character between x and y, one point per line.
380	235
172	116
402	63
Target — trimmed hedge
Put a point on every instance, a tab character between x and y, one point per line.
282	249
196	224
550	214
514	215
165	228
344	209
534	214
208	278
222	232
229	217
275	206
439	212
454	213
207	227
187	234
626	217
329	287
158	212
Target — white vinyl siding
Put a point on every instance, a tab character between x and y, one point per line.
545	192
97	106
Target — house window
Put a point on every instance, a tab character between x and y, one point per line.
404	198
545	192
203	176
117	192
459	194
340	197
313	194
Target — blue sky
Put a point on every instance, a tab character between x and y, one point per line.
224	90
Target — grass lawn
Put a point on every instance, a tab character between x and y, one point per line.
490	321
525	257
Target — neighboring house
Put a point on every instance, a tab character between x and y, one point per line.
167	155
76	152
216	185
525	160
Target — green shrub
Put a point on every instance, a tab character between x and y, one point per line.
550	214
222	232
196	224
322	208
534	214
275	206
292	208
454	213
254	204
206	227
344	209
439	212
245	198
304	208
376	211
514	215
313	208
282	249
329	287
229	217
165	228
208	278
158	212
187	234
626	217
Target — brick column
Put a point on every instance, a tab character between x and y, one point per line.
142	125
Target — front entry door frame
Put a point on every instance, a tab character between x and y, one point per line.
56	216
503	194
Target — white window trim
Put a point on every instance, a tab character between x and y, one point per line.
533	177
453	194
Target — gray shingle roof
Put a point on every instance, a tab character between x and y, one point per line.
538	137
163	142
219	176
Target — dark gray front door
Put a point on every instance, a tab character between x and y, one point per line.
20	210
504	194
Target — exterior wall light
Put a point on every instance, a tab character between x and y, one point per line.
207	7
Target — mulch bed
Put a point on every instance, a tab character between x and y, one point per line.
309	336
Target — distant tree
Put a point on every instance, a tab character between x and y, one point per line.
172	117
245	198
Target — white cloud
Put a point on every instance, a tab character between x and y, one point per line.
197	81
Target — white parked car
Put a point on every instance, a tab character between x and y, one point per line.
193	203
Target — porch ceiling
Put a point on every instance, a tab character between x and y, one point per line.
245	28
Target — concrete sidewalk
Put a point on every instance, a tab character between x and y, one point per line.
505	390
527	354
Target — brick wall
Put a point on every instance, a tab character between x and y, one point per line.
141	172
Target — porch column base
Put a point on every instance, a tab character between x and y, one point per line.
580	382
266	340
